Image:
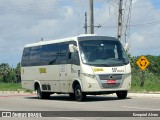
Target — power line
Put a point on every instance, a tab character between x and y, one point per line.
135	25
64	3
135	7
148	34
150	23
128	22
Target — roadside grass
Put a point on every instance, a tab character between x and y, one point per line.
10	86
151	82
13	87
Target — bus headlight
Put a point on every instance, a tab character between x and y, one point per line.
89	75
126	75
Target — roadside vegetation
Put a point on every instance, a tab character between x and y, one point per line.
143	81
10	79
150	76
10	87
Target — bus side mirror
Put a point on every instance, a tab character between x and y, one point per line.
72	48
126	47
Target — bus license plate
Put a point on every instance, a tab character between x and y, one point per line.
111	82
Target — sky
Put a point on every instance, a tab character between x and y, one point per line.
27	21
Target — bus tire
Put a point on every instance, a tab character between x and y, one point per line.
42	95
121	94
79	95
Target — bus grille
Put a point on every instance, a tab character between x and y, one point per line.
103	78
110	77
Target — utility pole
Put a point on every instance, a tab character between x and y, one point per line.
91	18
85	25
91	26
119	31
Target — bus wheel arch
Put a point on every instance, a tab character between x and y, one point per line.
74	84
40	94
36	85
79	95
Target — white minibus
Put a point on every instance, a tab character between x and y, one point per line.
78	66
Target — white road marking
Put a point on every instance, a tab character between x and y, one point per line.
5	109
140	108
69	118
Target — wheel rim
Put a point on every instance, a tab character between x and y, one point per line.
38	93
78	94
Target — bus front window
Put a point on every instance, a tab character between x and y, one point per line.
103	53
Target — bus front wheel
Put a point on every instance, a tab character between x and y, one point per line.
121	94
79	95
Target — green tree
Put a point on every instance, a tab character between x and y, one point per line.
11	77
154	64
18	73
4	71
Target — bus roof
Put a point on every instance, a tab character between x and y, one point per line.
81	37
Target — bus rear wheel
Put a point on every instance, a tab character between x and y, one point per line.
79	95
121	94
42	95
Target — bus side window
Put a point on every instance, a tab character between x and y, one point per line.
63	53
35	56
25	57
73	58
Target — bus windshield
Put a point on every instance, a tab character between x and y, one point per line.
103	53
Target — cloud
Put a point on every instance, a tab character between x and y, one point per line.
27	21
24	22
144	37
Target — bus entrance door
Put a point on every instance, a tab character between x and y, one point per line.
63	78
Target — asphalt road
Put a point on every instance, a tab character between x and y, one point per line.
28	102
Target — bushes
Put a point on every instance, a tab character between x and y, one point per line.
150	76
8	74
